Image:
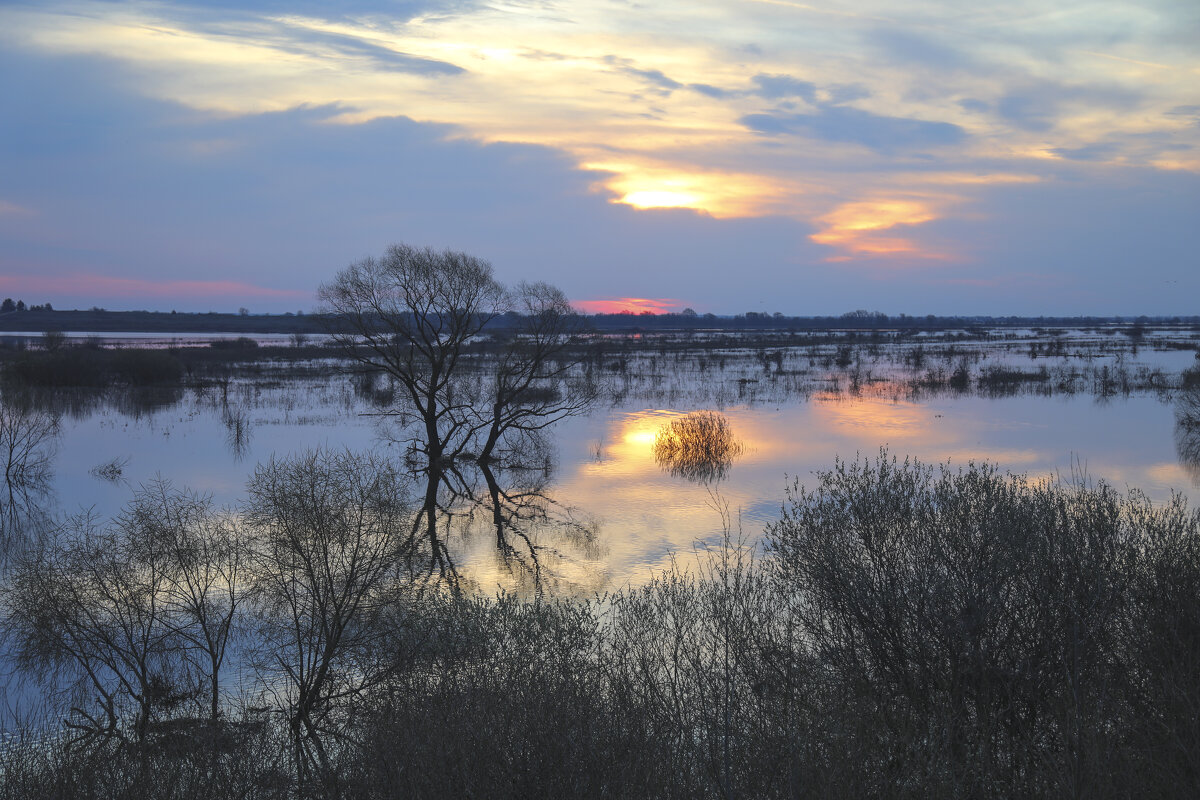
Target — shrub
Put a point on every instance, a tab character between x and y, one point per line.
145	367
977	627
65	367
240	343
94	367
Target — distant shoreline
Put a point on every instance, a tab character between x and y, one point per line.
100	321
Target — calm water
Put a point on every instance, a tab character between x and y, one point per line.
628	514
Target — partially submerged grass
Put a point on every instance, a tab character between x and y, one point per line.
698	446
110	471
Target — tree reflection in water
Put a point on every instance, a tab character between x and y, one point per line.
28	439
1187	431
699	446
507	497
238	431
519	506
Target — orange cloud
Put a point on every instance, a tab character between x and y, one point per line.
631	305
857	228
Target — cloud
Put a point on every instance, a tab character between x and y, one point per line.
12	209
781	87
1191	113
400	10
1029	110
855	126
846	93
1039	107
383	58
906	47
785	87
714	92
1097	151
864	228
653	77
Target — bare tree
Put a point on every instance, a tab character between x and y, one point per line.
134	616
331	542
534	385
86	610
411	314
209	565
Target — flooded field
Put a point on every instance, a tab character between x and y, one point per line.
590	507
259	543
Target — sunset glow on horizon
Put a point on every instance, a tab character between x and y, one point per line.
627	305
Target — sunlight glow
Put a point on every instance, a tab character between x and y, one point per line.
876	420
652	184
627	305
661	199
640	436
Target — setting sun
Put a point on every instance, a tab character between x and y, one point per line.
627	305
661	199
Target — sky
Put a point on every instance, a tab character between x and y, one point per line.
926	156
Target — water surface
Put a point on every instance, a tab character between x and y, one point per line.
628	514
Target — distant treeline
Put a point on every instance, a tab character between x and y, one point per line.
870	320
41	318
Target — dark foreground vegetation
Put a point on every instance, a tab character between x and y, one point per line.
906	632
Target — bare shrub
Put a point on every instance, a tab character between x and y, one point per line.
332	540
970	623
129	621
247	766
85	613
110	471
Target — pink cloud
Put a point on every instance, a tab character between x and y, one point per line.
106	286
13	209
